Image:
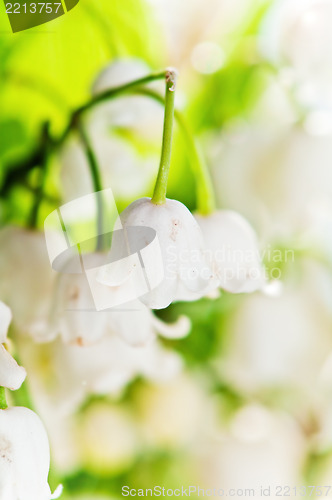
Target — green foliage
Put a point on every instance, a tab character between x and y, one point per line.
48	70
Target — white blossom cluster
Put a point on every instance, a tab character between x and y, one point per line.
100	352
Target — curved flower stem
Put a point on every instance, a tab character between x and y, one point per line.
112	92
96	181
76	122
159	194
106	96
206	202
204	187
3	401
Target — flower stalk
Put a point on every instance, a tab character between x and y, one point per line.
39	195
159	195
206	202
114	91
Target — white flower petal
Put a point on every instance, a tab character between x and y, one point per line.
5	319
118	272
162	297
57	492
74	313
233	251
138	326
104	368
75	318
177	330
298	33
26	276
163	365
133	322
12	375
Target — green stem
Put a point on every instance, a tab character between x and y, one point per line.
106	96
3	401
96	181
39	195
206	202
114	91
159	194
25	167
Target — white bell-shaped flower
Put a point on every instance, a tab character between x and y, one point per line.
281	179
185	274
110	365
232	251
282	342
104	368
255	441
11	374
75	316
26	277
297	33
24	457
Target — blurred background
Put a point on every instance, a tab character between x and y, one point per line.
252	404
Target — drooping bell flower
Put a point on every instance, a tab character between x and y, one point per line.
11	374
104	368
185	273
233	251
297	35
76	317
175	267
26	277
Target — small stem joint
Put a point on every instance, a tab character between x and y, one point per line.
171	78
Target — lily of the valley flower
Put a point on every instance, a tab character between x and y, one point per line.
298	33
104	368
186	273
258	441
26	277
11	375
282	342
233	251
24	456
288	156
75	318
